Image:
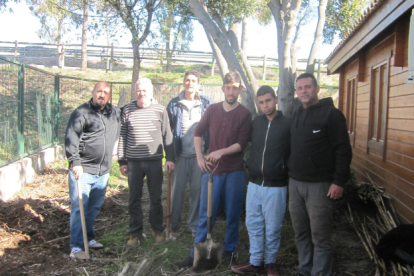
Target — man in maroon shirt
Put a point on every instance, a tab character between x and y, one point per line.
229	124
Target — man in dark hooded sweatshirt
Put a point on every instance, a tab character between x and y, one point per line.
319	167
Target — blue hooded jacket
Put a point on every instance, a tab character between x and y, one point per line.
175	114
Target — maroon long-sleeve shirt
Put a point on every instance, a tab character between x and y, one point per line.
226	129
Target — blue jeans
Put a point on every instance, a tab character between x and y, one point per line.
228	193
265	209
93	194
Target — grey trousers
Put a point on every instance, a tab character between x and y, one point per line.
186	170
311	212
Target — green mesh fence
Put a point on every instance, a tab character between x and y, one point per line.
39	110
9	105
36	105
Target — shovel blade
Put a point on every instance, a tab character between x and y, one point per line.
207	255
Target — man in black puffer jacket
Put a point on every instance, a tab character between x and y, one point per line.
92	131
319	167
268	179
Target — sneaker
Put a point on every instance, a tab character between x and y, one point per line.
175	235
77	253
159	237
133	241
95	245
187	262
245	268
271	270
229	258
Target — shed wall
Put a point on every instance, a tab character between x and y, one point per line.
393	170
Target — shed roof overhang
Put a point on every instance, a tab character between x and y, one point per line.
369	26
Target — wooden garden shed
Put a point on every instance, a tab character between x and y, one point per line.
375	63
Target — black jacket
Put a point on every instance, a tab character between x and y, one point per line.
269	151
90	137
320	147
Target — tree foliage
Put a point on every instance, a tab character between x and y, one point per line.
56	17
340	16
175	28
137	16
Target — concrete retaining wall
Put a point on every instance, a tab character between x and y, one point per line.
20	173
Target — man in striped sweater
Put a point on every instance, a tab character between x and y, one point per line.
145	134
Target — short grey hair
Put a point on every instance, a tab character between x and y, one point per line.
144	81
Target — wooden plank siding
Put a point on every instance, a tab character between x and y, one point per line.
396	171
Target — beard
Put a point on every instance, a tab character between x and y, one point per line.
100	103
231	101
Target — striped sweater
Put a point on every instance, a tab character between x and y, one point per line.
144	131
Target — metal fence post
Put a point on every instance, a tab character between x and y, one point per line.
56	111
20	110
112	57
15	49
264	67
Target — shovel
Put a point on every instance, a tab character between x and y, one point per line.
82	213
167	217
207	255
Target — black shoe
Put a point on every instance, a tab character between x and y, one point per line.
230	258
187	262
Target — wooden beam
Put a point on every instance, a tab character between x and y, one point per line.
399	43
361	66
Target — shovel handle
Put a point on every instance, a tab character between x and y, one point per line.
210	195
167	223
82	213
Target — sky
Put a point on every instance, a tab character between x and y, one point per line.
22	26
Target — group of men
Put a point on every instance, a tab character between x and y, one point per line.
307	156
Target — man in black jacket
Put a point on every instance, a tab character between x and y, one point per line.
319	167
91	134
268	179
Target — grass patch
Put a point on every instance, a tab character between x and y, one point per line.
116	179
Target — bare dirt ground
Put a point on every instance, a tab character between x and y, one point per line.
34	229
40	213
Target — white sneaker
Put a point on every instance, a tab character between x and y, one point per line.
77	253
95	245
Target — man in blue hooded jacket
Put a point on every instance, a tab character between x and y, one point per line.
185	111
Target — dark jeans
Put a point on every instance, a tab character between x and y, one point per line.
137	170
311	212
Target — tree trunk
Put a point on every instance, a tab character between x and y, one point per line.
135	67
234	41
244	36
221	61
220	39
84	57
294	56
285	16
128	16
310	68
167	51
